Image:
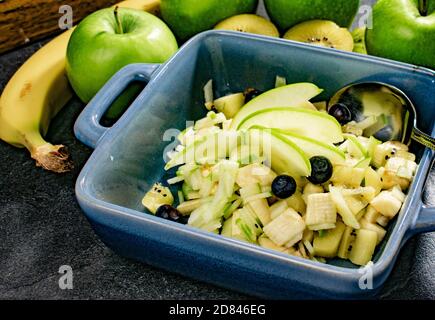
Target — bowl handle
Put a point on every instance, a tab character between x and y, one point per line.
425	221
87	128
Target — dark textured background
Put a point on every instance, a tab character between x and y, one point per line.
42	228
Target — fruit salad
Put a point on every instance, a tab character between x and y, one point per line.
273	169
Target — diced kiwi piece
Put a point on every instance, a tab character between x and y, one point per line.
321	33
327	246
157	196
363	247
382	152
346	241
249	23
229	105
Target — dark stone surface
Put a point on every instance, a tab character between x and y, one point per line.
42	228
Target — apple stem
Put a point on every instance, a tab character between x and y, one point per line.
118	22
422	7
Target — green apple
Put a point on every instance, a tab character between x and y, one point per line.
312	124
189	17
287	13
292	95
110	39
404	30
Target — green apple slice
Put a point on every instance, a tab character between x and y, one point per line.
355	147
313	147
283	155
230	105
292	95
364	163
309	123
343	209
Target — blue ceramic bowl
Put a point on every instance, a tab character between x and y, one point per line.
128	159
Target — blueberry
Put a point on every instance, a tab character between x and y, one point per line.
283	186
321	170
251	93
183	220
351	99
169	213
340	112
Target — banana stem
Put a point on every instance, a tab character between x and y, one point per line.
422	7
50	157
118	22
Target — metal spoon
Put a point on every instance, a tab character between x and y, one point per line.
393	114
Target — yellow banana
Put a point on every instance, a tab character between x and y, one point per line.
37	92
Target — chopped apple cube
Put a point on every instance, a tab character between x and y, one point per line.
297	202
383	221
363	247
356	203
373	179
347	176
402	167
390	179
373	227
398	194
327	246
385	151
371	214
387	204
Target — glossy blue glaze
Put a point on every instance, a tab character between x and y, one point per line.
128	159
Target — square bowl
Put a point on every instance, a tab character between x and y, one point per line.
128	159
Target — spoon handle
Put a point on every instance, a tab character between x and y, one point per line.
423	138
